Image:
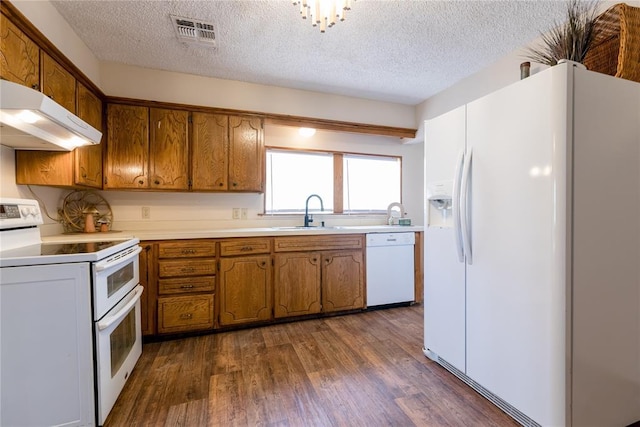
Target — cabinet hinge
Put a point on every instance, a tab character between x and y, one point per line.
273	262
190	183
190	118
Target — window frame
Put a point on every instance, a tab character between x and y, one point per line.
338	178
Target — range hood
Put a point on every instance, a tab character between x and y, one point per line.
29	120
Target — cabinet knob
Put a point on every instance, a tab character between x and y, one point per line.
141	182
263	263
84	175
235	184
221	184
35	86
156	182
186	316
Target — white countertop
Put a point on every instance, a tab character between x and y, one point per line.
145	235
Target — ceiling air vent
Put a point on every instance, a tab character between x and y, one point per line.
193	31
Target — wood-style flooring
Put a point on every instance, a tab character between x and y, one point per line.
364	369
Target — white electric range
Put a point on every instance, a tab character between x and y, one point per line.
69	322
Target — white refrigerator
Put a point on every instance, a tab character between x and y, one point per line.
532	247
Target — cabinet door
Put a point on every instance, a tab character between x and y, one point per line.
127	146
168	153
342	281
88	159
185	313
245	290
44	167
58	84
246	154
19	56
209	152
297	284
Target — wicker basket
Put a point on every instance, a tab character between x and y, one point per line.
616	48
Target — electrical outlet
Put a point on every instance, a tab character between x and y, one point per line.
236	213
146	212
243	213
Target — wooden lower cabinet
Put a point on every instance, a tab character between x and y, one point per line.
297	284
148	298
342	281
186	285
245	290
185	313
318	274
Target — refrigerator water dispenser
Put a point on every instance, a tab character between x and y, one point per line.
439	204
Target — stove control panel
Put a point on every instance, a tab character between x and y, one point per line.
16	213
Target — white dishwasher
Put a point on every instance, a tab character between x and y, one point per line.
390	268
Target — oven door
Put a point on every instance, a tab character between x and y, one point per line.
118	348
113	278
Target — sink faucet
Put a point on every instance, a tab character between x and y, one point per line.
308	219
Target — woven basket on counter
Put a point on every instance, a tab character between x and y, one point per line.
616	48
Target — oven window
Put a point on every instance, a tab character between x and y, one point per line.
119	278
122	340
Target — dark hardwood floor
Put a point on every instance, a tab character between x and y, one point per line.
364	369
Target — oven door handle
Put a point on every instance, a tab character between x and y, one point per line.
110	262
110	320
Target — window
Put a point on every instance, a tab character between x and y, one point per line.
347	183
294	175
370	183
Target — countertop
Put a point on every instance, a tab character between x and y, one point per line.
146	235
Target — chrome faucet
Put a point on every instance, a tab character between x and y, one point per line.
308	219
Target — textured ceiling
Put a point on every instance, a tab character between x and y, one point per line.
395	51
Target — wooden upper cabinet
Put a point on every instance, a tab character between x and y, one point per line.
80	168
19	56
88	159
57	83
209	152
246	154
127	162
168	150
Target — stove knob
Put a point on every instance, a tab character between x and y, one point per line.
24	211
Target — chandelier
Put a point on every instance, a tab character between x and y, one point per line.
323	13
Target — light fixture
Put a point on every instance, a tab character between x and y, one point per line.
307	132
323	13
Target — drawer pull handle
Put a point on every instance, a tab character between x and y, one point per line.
188	251
246	248
186	287
188	270
186	316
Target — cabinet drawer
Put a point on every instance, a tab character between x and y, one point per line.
319	243
186	267
195	248
185	313
245	247
191	284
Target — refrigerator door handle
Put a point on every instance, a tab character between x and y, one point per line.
465	226
455	207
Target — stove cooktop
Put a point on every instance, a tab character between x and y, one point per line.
59	253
